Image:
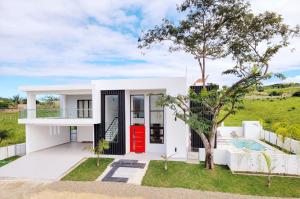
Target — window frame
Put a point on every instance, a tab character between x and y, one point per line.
163	120
89	114
131	111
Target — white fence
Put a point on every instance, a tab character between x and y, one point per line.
288	144
281	163
12	150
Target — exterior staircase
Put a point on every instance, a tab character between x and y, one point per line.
112	131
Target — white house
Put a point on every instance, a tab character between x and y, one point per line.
122	111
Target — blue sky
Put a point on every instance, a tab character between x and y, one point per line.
72	42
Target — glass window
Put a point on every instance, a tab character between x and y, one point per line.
84	108
137	110
111	118
156	120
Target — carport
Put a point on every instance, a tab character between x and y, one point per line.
48	164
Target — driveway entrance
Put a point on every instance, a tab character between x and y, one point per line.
47	164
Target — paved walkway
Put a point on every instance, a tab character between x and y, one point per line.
126	171
47	164
101	190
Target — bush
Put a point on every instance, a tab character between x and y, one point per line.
275	93
296	94
4	104
294	131
278	125
292	108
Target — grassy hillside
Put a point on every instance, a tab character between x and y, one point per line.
16	132
270	110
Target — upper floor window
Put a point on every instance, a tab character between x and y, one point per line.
84	109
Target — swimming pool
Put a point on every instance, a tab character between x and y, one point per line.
248	144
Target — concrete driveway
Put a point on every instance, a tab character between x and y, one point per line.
47	164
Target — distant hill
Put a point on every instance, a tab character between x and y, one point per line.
271	103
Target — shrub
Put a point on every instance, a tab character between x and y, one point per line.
292	108
282	132
4	104
296	94
275	93
278	125
268	120
294	131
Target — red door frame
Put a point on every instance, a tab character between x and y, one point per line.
137	138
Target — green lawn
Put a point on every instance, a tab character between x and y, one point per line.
16	132
271	111
195	176
8	160
88	170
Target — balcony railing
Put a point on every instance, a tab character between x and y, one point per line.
52	113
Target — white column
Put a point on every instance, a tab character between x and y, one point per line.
31	105
63	106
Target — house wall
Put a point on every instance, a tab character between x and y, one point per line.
150	147
41	137
85	133
71	104
177	131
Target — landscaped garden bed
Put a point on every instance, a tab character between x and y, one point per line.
88	170
195	176
8	160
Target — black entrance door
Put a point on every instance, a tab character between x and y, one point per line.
112	127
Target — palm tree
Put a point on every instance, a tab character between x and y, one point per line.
99	149
268	161
16	99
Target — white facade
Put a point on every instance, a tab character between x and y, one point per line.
44	132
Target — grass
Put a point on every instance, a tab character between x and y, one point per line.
195	176
88	170
8	160
271	111
16	132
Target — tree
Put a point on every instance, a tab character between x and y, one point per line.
268	162
202	34
212	30
16	99
99	149
50	100
3	134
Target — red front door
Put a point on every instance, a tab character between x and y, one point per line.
137	139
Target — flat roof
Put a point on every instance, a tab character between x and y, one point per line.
56	88
109	84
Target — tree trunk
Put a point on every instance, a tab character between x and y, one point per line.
209	159
98	161
269	181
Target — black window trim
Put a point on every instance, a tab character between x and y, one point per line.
163	127
89	108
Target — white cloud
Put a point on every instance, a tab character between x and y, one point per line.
61	38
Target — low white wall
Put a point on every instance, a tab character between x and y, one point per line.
221	156
85	133
226	131
12	150
254	162
252	129
41	137
288	143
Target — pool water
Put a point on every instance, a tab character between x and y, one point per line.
248	144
